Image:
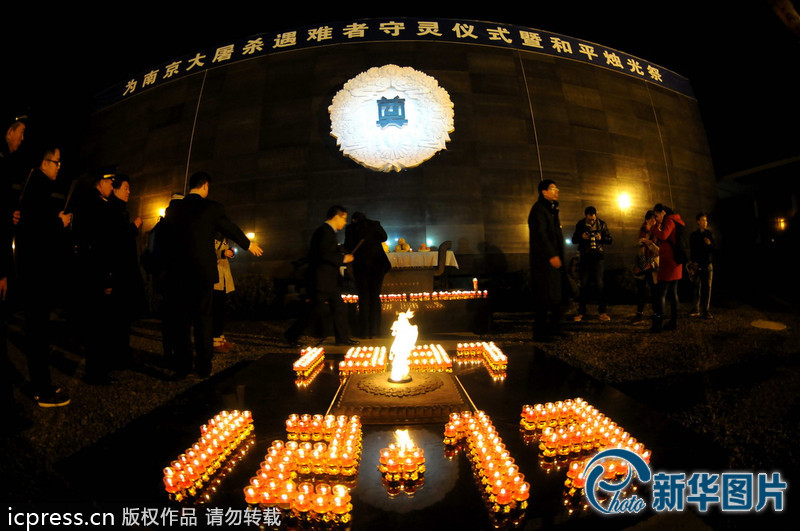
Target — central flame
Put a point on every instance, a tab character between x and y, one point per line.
405	338
404	440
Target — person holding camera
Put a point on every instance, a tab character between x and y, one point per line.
591	236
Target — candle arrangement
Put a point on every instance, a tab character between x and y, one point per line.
423	358
363	360
308	365
206	494
402	465
307	476
335	444
428	296
488	354
503	487
572	431
220	437
429	358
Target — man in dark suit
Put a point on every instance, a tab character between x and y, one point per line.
325	259
41	264
192	272
363	237
94	235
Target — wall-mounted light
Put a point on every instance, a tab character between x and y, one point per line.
624	201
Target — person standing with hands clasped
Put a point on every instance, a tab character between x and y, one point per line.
701	246
549	281
41	265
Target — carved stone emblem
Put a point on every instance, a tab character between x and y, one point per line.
422	125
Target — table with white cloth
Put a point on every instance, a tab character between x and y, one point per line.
421	259
413	272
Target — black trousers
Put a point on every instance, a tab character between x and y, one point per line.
36	302
322	305
218	312
368	286
188	308
667	292
592	272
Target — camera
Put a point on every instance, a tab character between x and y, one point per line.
594	236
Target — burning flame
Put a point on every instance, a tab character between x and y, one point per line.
404	440
405	338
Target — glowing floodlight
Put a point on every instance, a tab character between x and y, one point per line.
624	201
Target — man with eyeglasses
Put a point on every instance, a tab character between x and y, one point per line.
41	263
325	260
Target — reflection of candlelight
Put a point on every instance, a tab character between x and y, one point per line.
220	436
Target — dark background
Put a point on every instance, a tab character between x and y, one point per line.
740	57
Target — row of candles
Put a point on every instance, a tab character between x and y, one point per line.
308	365
327	428
504	488
402	465
219	437
424	296
363	360
309	478
423	358
575	430
488	353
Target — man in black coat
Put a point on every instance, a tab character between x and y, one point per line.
128	297
41	264
548	275
192	272
364	238
325	259
94	233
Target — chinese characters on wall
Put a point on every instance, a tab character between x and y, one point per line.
405	29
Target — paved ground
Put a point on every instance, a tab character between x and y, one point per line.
734	379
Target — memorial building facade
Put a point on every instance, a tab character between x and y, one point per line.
440	129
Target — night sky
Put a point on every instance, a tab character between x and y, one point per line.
742	62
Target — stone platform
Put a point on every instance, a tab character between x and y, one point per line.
428	397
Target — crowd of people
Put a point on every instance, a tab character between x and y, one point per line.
85	250
663	255
78	253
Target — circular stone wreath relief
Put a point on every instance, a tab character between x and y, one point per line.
391	118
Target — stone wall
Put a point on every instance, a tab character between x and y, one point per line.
261	128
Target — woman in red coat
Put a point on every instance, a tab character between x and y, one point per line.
669	272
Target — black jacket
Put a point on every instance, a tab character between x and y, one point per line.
546	241
369	257
585	247
325	258
192	223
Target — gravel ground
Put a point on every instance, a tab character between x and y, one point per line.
744	381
